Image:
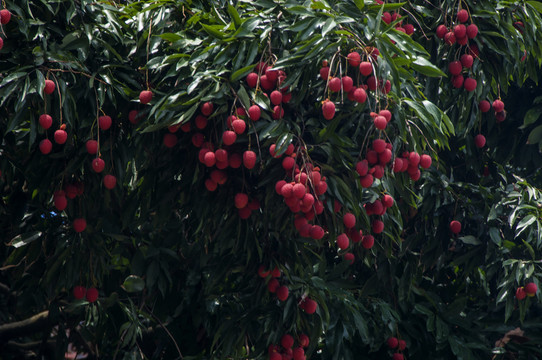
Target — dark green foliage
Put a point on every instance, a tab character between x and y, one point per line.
175	264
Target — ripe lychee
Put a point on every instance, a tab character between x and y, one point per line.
98	165
92	295
455	226
79	225
170	140
79	292
328	109
45	121
104	122
145	96
60	136
49	87
110	181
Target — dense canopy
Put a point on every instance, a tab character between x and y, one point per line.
256	179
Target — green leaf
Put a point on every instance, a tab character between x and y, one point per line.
215	31
535	135
531	116
25	239
424	66
536	5
241	73
133	284
469	239
234	15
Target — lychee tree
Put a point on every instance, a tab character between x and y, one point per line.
270	179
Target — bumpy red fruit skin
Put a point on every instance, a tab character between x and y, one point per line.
472	31
298	353
5	16
249	159
480	141
252	79
45	121
79	225
241	200
353	58
303	340
455	67
104	122
520	293
207	108
145	96
484	106
467	60
470	84
342	241
425	161
460	31
310	306
324	72
229	137
498	105
98	165
45	146
380	122
170	140
402	345
449	38
531	289
462	15
441	31
328	110
282	293
349	220
79	292
110	181
60	136
92	295
254	112
398	356
91	146
287	341
367	241
455	226
316	232
49	87
60	202
392	342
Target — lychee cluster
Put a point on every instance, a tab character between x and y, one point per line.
81	292
529	289
303	194
398	346
286	350
273	284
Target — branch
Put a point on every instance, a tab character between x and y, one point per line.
33	324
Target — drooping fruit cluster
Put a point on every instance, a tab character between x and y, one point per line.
273	284
388	18
270	81
303	193
356	93
377	209
411	162
461	34
529	289
80	293
398	346
70	191
5	17
286	349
